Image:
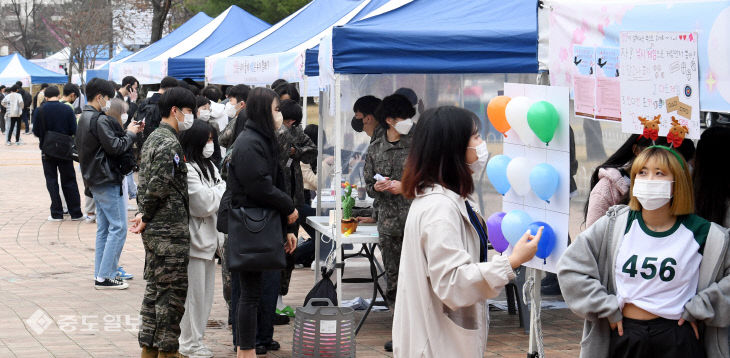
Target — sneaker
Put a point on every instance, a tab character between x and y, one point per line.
388	346
123	275
113	284
19	143
8	143
90	219
132	207
202	352
51	218
78	218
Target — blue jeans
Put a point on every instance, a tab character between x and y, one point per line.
131	186
111	229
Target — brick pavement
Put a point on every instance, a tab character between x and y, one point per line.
49	308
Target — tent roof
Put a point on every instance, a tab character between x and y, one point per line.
219	37
425	36
172	39
16	68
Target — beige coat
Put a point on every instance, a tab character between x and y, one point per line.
441	308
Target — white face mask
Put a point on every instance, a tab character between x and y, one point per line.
106	106
482	156
652	194
230	110
278	120
204	114
186	123
124	117
404	127
208	150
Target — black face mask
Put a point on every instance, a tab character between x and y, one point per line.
357	124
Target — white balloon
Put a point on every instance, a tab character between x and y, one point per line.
518	174
516	113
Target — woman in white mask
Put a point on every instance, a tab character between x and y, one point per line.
205	189
650	278
441	310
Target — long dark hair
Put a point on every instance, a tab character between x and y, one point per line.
193	141
624	155
258	110
710	177
438	151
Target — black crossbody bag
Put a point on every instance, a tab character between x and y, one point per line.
54	144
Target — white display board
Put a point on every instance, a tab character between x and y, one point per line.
660	80
557	212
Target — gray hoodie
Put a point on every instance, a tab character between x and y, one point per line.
586	275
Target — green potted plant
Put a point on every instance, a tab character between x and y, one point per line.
349	223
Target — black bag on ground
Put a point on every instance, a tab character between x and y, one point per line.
255	240
323	289
56	145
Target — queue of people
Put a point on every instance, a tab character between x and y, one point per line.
648	275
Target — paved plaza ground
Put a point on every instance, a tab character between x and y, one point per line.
49	308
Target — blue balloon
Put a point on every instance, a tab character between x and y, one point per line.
497	173
514	225
547	242
544	180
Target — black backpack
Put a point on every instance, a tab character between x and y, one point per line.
323	289
150	114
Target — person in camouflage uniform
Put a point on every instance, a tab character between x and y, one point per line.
295	147
387	156
364	121
163	223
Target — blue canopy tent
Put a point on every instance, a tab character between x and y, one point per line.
140	64
425	36
103	70
280	52
437	49
15	68
234	20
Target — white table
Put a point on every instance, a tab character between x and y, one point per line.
328	202
367	236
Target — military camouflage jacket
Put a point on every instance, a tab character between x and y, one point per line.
388	160
305	151
163	194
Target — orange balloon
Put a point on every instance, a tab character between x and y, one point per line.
496	113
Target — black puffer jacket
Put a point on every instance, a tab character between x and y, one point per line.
255	178
95	149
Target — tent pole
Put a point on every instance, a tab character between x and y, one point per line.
338	188
304	91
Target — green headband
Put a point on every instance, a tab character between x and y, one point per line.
671	150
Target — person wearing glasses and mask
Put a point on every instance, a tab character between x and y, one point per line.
383	171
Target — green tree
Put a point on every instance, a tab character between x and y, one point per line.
267	10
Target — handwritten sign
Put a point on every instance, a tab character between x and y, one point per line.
659	76
596	86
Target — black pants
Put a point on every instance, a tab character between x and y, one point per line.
258	292
14	123
25	117
655	338
51	169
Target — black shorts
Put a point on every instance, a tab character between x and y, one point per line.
658	337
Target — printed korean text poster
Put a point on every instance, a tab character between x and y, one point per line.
660	84
584	81
608	86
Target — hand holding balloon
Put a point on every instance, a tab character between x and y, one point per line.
525	249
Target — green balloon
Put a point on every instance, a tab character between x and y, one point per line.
543	119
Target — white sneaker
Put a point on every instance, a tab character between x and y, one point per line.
202	352
90	219
51	218
321	264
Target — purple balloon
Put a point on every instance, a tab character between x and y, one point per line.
494	230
